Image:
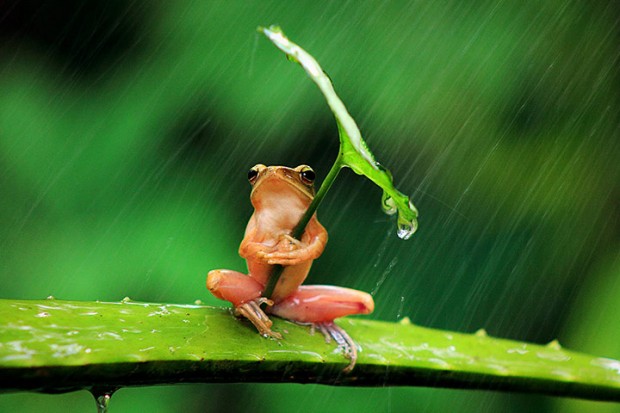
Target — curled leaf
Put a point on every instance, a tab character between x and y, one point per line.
354	152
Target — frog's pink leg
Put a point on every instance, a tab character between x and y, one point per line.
320	305
244	292
233	286
323	303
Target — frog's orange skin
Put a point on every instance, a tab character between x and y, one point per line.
280	196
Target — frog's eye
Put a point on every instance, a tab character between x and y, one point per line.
307	175
253	174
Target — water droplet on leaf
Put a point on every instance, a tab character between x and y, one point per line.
407	219
380	167
406	228
481	333
405	321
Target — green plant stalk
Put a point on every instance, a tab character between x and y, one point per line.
58	346
353	152
303	222
318	198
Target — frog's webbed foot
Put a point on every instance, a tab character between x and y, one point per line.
333	331
252	311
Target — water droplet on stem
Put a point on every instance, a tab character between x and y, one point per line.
102	398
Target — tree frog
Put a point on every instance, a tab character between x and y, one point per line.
280	196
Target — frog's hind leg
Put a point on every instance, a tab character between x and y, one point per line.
244	293
331	331
233	286
320	305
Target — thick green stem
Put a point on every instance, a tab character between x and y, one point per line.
301	226
318	198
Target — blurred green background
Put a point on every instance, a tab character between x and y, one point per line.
127	129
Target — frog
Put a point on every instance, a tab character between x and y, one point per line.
280	196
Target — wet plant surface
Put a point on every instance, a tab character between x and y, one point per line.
126	132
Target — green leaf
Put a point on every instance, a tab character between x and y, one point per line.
57	346
354	152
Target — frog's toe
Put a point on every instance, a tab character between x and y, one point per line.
285	257
284	262
333	331
252	311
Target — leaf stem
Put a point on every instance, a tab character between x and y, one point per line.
299	229
318	198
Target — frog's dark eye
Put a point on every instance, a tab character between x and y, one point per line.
307	175
252	175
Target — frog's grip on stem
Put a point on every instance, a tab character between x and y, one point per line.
252	311
333	331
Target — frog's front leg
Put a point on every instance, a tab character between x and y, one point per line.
320	305
290	251
244	292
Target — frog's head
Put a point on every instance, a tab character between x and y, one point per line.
281	185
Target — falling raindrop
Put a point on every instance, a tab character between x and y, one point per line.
400	307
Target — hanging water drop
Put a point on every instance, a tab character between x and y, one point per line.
102	402
405	231
102	398
406	227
